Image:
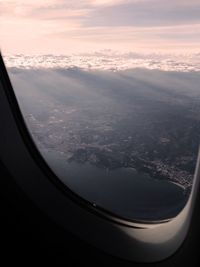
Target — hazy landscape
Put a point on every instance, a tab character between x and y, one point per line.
124	138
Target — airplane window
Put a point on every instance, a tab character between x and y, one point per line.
109	91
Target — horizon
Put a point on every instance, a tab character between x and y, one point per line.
107	60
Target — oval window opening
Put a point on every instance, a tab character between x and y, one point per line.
110	95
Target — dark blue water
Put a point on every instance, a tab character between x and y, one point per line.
124	192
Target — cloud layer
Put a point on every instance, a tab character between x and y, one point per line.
107	60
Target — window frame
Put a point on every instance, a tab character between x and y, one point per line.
133	240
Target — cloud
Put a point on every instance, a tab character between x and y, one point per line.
120	11
107	60
155	13
72	25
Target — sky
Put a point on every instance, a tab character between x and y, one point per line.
72	26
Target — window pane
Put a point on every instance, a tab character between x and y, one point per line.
110	93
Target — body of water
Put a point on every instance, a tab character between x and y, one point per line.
124	192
